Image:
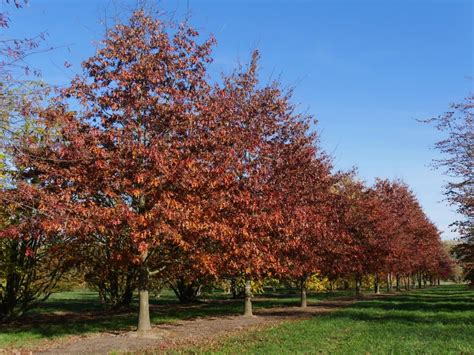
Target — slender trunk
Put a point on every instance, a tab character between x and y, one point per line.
419	280
303	301
389	282
248	299
358	286
398	283
376	285
144	307
439	281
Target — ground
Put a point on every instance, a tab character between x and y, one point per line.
434	320
68	316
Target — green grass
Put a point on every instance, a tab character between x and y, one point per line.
433	321
79	312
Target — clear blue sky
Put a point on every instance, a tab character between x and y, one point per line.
366	69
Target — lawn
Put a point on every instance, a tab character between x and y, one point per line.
431	321
79	312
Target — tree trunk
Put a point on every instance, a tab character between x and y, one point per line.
303	300
389	282
144	307
376	285
248	299
358	286
439	281
419	280
398	283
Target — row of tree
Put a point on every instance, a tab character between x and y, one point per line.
144	171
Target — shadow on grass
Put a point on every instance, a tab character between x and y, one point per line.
76	313
445	305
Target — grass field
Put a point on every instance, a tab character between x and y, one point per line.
435	320
79	312
432	321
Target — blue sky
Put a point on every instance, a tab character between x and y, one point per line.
365	69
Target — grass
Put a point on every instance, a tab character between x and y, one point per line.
432	321
79	312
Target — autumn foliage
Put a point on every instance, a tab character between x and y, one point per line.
145	170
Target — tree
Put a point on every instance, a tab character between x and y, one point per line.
128	162
30	261
308	224
17	90
458	163
261	135
362	217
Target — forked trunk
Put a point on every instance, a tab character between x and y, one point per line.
248	299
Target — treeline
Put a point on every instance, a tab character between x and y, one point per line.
144	171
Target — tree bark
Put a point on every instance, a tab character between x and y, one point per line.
144	323
398	283
248	299
419	280
303	300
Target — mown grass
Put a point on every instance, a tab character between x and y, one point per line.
432	321
80	312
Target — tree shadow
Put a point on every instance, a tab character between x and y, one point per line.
445	305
